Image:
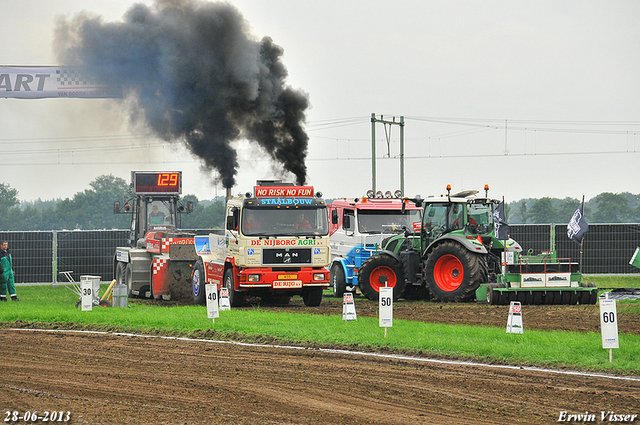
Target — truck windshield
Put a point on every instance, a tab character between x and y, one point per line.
375	221
285	222
480	219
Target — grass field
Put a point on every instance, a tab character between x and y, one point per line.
48	306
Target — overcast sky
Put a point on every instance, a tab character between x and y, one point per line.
533	98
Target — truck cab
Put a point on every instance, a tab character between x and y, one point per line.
275	245
360	227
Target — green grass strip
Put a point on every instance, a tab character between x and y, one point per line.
534	347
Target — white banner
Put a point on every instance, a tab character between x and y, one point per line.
48	82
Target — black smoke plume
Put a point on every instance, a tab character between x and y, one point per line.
194	73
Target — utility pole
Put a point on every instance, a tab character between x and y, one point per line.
375	120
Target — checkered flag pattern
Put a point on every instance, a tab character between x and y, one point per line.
159	264
72	78
165	244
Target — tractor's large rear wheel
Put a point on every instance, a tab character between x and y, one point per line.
453	273
378	271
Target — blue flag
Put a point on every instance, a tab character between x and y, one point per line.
499	218
578	226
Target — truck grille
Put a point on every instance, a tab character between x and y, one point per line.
286	256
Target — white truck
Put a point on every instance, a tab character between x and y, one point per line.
359	228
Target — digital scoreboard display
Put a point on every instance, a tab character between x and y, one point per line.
150	182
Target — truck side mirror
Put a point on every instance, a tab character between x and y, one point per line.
232	219
116	207
334	217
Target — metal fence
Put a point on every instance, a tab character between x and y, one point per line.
39	256
606	249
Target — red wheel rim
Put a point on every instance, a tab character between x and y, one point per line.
380	275
448	273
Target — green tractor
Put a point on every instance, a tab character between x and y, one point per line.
453	252
455	256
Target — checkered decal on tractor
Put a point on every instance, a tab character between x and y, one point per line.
71	78
159	264
165	244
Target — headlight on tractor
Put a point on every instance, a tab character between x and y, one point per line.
318	276
254	278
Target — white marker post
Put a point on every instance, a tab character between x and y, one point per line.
609	324
224	299
514	322
348	307
86	289
212	301
386	308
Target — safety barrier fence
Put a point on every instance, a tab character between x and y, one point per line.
39	256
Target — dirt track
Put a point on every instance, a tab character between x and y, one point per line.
121	379
106	379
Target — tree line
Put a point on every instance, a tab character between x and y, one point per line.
607	207
92	209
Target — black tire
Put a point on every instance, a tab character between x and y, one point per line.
236	298
537	297
338	280
453	273
524	296
584	297
556	297
104	303
198	291
567	297
312	296
378	270
494	297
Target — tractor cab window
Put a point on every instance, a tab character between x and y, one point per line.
480	220
435	221
456	217
159	214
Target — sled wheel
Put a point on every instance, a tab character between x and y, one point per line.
494	297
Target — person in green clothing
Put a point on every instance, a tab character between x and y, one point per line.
6	273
